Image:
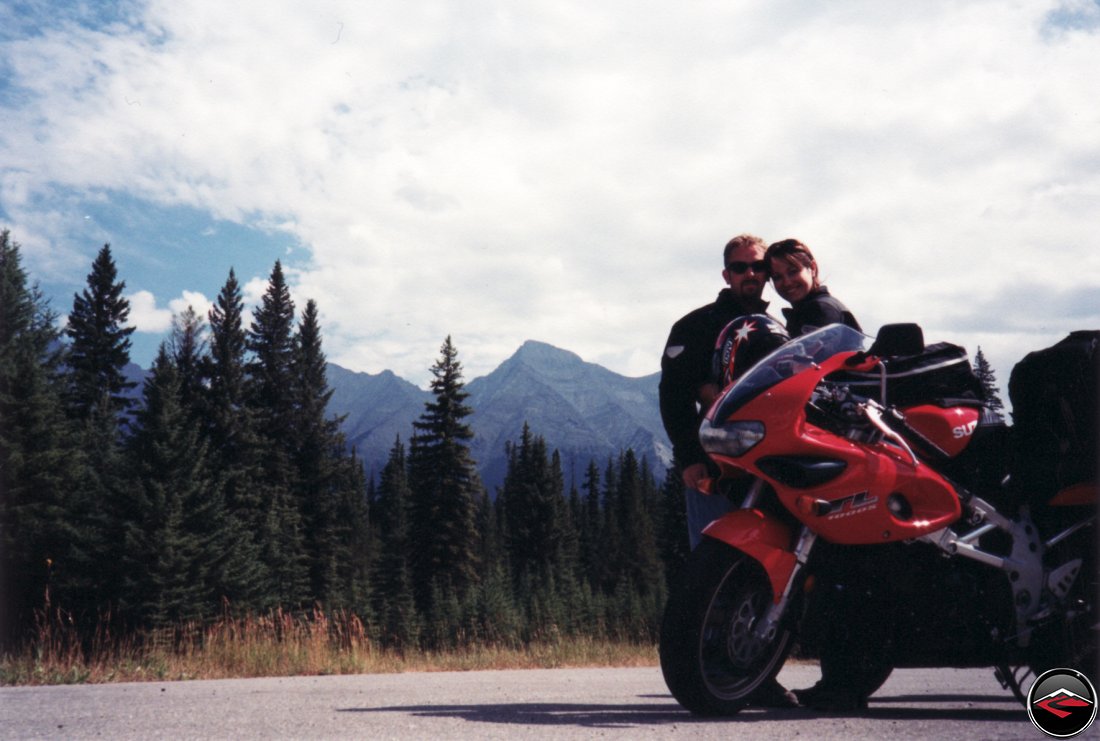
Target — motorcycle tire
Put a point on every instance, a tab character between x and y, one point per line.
1073	639
1076	649
710	659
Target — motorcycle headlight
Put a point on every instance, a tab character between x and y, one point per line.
731	439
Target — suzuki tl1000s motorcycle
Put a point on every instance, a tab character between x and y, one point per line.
956	569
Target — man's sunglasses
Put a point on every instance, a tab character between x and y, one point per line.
758	266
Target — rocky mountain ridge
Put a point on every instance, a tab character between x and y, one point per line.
583	410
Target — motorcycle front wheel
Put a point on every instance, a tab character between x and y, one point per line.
711	660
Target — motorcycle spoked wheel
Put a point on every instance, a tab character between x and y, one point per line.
710	659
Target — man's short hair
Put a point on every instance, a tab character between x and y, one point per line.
741	240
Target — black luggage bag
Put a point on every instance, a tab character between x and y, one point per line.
1055	409
941	372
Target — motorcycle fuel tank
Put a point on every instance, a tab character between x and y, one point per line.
949	428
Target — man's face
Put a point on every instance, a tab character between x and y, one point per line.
748	284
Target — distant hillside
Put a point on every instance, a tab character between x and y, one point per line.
379	407
581	409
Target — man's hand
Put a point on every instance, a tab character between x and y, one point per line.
708	392
694	475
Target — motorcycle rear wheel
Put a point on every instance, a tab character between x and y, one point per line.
710	659
1072	640
1077	649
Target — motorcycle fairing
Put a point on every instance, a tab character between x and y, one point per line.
762	537
874	472
1078	495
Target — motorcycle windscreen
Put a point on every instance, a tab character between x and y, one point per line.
788	360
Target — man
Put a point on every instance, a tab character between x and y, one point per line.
687	387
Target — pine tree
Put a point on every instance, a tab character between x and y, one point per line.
532	508
534	514
242	577
672	539
271	371
498	621
315	440
37	453
271	397
491	551
224	374
354	589
568	582
589	531
608	560
100	346
984	371
171	513
444	486
187	347
329	482
644	570
641	566
577	515
393	591
98	351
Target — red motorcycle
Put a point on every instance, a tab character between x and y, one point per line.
841	458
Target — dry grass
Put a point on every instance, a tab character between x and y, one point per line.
279	644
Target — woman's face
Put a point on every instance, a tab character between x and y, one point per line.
792	281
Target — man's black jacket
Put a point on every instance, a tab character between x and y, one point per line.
686	366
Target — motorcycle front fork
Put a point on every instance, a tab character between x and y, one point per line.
768	626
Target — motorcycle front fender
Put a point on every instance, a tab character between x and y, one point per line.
761	537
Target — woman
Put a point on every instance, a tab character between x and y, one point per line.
794	275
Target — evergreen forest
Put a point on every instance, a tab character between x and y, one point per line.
227	489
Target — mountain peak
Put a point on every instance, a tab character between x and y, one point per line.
582	410
534	350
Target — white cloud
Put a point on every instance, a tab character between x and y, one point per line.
252	291
193	300
146	317
144	314
568	172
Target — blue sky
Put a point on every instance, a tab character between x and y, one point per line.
559	170
170	257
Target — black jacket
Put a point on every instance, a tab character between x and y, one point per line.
686	366
817	310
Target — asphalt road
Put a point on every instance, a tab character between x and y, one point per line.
554	703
